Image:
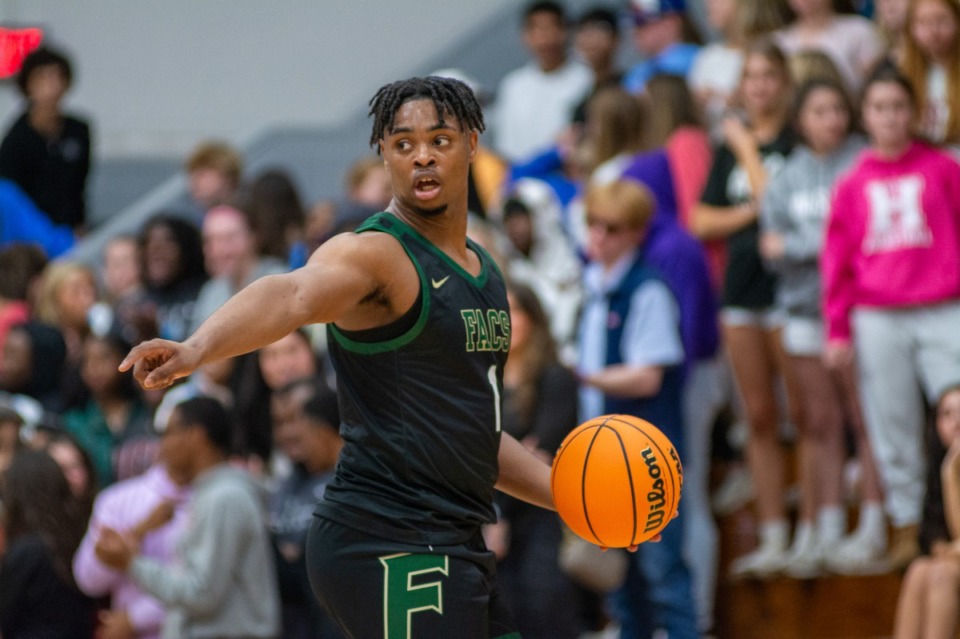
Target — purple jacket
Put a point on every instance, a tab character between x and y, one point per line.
678	257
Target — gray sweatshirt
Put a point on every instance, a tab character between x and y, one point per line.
223	583
796	204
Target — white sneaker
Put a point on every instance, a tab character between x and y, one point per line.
734	492
805	563
804	557
761	563
858	555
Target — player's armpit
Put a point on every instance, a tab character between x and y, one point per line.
347	273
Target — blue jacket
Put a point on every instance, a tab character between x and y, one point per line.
22	222
676	59
547	166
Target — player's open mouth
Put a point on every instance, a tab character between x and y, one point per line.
426	188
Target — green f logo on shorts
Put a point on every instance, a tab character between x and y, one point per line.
401	598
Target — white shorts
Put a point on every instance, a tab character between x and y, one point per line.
804	337
768	318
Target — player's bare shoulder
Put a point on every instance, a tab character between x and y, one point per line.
376	254
371	272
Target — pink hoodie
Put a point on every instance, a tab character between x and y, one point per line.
893	239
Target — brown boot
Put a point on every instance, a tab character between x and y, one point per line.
904	546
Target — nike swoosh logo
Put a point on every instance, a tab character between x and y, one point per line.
439	283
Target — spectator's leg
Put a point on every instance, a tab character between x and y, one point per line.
911	605
893	409
702	401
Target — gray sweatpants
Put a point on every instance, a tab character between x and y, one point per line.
904	355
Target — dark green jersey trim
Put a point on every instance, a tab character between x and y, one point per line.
510	635
372	348
479	280
485	257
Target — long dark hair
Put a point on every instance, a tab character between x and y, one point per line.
38	501
187	237
916	66
540	352
276	211
671	106
126	387
59	436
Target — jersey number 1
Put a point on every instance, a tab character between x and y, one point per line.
492	378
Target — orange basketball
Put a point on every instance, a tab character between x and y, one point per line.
616	480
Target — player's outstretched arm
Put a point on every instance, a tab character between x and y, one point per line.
523	475
330	286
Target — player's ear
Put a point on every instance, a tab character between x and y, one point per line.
380	151
473	139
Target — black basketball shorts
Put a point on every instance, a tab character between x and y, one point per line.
378	589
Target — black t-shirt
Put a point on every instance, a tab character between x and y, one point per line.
554	412
747	283
421	411
53	172
35	601
553	416
290	511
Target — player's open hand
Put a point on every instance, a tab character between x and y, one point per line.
159	362
655	539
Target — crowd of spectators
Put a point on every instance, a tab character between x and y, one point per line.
755	228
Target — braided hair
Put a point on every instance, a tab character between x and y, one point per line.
449	96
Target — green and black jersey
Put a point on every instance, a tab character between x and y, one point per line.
420	403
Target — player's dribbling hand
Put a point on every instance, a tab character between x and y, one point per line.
159	362
654	539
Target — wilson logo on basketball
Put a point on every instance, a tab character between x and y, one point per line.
655	496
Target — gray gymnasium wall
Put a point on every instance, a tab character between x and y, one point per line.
287	81
156	76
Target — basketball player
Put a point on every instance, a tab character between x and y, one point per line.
419	332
